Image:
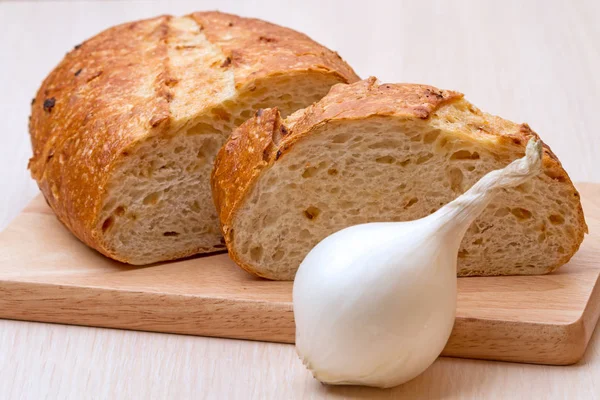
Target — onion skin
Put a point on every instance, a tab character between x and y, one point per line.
367	329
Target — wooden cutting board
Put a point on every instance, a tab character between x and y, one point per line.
47	275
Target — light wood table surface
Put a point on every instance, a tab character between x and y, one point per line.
529	61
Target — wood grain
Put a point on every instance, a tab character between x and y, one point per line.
47	275
525	60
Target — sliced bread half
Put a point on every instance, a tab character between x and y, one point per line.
387	152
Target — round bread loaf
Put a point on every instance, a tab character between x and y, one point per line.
125	129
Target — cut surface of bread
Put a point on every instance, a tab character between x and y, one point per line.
126	128
368	152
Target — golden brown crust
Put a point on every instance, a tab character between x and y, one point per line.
256	48
249	150
85	114
121	87
367	98
253	147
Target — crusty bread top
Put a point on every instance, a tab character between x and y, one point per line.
263	140
257	48
142	79
368	97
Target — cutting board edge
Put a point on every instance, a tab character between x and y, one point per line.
53	305
571	338
568	345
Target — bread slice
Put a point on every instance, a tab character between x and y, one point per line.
394	152
125	129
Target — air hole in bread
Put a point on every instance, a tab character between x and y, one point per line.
108	222
312	212
341	138
541	227
455	177
385	160
332	171
304	234
202	128
478	241
256	253
278	255
424	158
470	168
178	149
431	136
151	199
221	113
195	206
384	144
411	202
521	213
268	219
309	172
556	219
170	233
501	212
524	187
561	250
443	142
464	155
119	211
463	253
403	163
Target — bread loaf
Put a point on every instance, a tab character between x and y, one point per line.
387	152
125	129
